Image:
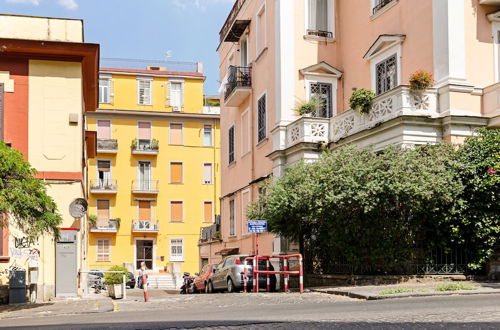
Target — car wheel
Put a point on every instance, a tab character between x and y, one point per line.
230	286
210	287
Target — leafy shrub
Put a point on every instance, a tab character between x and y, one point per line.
395	291
93	219
115	278
455	287
421	80
361	100
310	107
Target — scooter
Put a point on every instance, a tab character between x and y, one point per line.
188	281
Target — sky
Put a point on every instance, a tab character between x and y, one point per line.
143	29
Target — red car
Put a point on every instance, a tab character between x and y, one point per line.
201	280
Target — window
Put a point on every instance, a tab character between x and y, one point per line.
176	211
245	129
207	211
144	135
207	173
104	129
231	144
145	210
144	91
319	18
379	4
104	90
144	176
261	30
104	173
386	74
244	52
261	118
176	249
324	91
175	172
176	134
207	135
176	96
102	212
103	249
231	218
245	201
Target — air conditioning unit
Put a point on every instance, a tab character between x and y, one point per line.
176	109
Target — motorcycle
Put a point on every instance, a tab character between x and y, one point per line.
188	282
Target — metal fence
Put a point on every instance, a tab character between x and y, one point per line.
142	64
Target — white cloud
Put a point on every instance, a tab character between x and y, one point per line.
68	4
198	4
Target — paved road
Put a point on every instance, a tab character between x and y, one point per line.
281	311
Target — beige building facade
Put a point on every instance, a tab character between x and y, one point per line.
276	54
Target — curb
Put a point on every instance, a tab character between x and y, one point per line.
408	295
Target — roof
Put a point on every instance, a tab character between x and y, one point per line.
383	41
155	72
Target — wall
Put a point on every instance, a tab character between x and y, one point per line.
41	28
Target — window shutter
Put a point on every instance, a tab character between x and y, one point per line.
111	91
207	209
167	94
102	212
176	172
144	210
312	15
104	129
103	165
144	130
176	134
207	173
176	211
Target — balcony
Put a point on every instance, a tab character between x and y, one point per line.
307	129
397	102
145	187
145	147
107	146
110	227
233	29
211	110
145	226
238	86
103	186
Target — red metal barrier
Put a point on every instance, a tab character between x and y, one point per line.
285	272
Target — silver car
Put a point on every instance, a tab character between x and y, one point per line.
230	272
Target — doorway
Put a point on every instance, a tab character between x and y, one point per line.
144	175
144	252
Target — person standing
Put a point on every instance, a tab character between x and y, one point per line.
142	280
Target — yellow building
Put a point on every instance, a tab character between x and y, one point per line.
155	180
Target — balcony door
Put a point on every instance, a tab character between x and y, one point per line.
102	213
144	176
323	91
144	210
104	173
144	252
244	52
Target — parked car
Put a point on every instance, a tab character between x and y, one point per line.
201	280
131	280
229	275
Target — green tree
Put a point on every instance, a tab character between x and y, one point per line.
24	198
367	209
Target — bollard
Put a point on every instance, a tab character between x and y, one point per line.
285	276
268	278
301	275
245	277
256	275
253	276
145	287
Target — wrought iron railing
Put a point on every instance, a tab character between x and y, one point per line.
145	226
107	144
145	145
319	33
208	233
111	226
381	4
103	184
239	76
230	19
145	185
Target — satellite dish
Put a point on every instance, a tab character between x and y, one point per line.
78	208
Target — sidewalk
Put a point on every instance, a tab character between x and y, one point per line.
376	292
59	306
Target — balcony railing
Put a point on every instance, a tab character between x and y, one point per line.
145	226
379	4
103	186
145	146
224	34
400	101
307	129
145	186
209	233
110	227
319	33
239	76
211	110
107	145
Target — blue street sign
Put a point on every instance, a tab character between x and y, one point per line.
257	226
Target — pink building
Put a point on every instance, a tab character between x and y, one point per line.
275	54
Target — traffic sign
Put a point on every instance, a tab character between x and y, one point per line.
257	226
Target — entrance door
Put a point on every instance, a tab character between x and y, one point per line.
144	175
144	252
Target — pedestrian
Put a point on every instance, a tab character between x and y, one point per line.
142	280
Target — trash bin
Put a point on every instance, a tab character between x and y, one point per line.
17	287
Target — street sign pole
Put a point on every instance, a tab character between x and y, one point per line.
257	243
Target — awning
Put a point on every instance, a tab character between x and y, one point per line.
228	251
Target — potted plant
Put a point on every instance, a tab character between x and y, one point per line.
421	80
310	107
114	281
216	235
118	221
361	100
92	220
155	144
134	144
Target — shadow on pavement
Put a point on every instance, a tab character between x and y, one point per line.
271	325
20	307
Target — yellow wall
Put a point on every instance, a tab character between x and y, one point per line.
124	169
